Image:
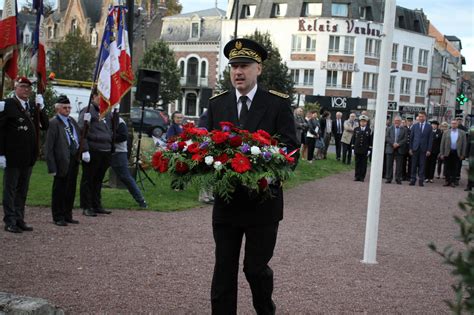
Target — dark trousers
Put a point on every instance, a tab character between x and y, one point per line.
360	166
119	164
337	140
64	193
458	174
452	165
431	165
406	166
346	153
259	244
16	181
418	160
93	174
398	165
311	142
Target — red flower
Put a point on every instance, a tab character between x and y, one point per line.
219	137
262	183
197	157
274	142
262	137
223	158
226	126
181	145
264	134
235	141
193	148
240	163
181	167
159	162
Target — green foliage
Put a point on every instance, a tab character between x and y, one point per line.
462	261
160	57
173	7
74	58
312	106
275	74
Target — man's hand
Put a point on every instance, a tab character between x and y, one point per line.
86	157
428	153
368	153
87	117
396	146
52	174
3	161
40	101
410	152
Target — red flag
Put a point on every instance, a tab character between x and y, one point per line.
9	38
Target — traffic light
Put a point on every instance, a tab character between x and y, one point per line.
462	99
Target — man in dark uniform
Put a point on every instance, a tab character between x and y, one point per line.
362	146
435	149
466	130
406	165
251	108
19	150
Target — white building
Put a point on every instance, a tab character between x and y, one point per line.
333	49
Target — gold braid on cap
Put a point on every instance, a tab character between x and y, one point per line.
245	53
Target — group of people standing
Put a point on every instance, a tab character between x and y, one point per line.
102	145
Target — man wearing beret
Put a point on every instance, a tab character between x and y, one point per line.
252	108
62	144
19	150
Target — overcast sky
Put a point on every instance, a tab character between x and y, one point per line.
453	17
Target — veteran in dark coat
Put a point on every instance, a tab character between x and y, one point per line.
19	150
252	108
362	146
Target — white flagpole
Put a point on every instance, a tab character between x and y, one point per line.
375	188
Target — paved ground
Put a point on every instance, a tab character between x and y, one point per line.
137	262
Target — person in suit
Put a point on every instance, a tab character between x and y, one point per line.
421	140
453	150
362	145
252	108
435	148
62	144
346	139
313	134
301	125
20	121
396	139
337	130
406	162
465	129
326	130
470	156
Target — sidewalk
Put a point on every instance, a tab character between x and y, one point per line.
161	263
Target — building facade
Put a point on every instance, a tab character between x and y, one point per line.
195	39
333	48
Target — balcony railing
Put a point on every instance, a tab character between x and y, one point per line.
194	81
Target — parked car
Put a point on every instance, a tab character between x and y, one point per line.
154	121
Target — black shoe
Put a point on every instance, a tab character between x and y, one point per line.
420	183
412	183
453	185
467	189
456	183
399	182
22	226
72	221
13	229
60	223
143	204
388	181
89	212
102	211
447	184
356	179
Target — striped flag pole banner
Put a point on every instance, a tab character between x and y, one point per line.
9	38
114	73
38	60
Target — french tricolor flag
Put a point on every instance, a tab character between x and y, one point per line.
38	60
9	38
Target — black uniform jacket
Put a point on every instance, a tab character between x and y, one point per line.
268	112
362	140
17	133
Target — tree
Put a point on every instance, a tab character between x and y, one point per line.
161	58
275	74
173	7
48	7
73	58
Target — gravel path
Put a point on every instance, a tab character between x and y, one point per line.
161	263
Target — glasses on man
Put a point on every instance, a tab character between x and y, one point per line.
66	107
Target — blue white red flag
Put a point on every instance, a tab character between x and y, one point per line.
9	38
38	60
125	59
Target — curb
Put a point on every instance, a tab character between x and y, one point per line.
24	305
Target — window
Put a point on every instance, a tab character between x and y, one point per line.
349	45
295	76
279	9
334	44
248	11
408	54
340	9
444	65
73	26
94	38
391	87
331	80
203	69
370	81
346	80
312	9
27	39
308	77
394	52
50	32
190	107
195	30
181	68
420	87
372	47
423	58
405	86
303	43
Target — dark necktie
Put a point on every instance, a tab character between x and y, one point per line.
72	142
339	126
244	110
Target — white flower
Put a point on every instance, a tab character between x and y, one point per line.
209	160
218	165
255	150
188	143
274	149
